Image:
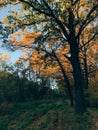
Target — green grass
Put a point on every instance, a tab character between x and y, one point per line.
43	115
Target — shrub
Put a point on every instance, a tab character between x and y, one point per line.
6	108
93	99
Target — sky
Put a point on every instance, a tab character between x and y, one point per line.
13	55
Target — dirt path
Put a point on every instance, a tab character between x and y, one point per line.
50	125
36	122
59	127
95	123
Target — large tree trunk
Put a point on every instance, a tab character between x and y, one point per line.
67	83
80	106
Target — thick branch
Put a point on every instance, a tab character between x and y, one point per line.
36	9
51	14
57	20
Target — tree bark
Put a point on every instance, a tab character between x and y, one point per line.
80	106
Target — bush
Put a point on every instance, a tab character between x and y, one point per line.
93	99
5	108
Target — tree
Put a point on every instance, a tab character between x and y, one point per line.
66	20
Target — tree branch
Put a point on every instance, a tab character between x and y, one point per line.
76	1
57	20
96	69
67	57
89	40
51	14
87	20
28	24
36	9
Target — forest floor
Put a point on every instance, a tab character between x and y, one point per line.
45	115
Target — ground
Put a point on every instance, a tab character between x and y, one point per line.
45	115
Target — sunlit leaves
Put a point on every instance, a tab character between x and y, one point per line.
23	38
4	57
5	21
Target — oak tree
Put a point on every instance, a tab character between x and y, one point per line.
63	19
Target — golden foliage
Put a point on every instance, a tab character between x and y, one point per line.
23	38
5	21
4	57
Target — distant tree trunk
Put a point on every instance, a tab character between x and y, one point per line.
2	94
85	72
21	94
29	90
67	83
80	106
21	90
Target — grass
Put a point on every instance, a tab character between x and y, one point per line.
44	115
